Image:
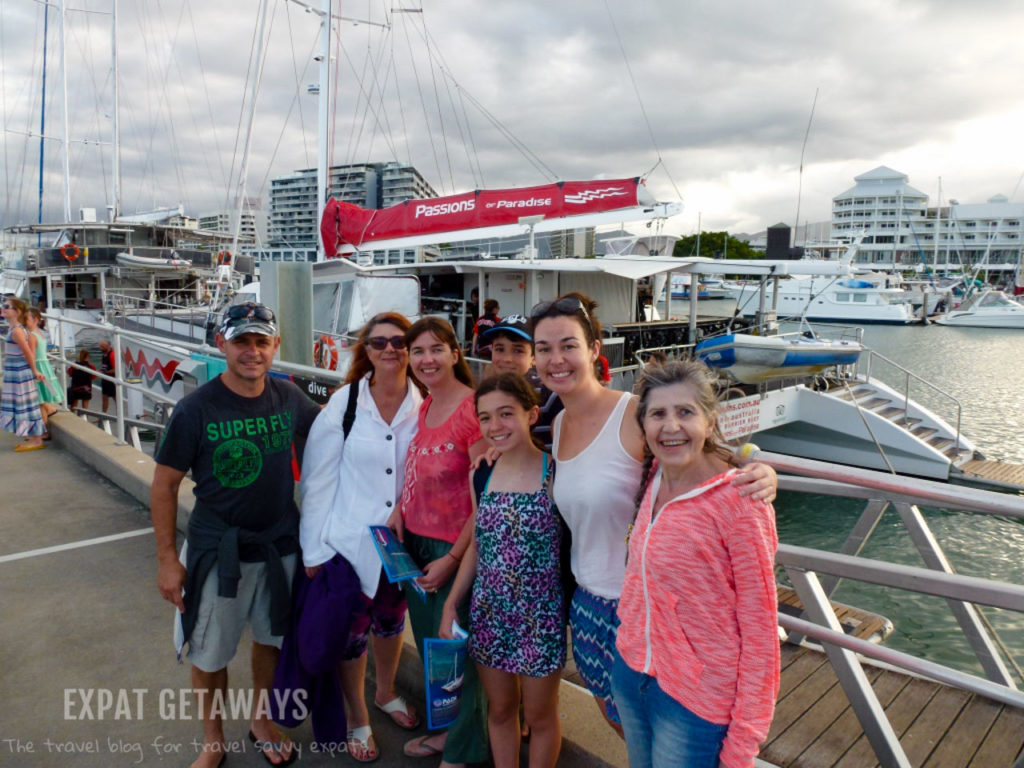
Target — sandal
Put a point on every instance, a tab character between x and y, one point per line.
400	713
418	747
22	447
361	744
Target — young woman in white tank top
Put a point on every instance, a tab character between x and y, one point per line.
598	452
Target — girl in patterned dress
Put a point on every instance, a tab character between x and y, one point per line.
517	627
19	405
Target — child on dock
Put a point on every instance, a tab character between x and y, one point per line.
517	624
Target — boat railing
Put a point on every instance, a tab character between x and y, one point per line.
164	313
867	364
815	574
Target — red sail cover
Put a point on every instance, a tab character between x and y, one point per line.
348	223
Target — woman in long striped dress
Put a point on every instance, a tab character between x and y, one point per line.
19	404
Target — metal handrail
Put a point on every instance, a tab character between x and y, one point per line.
802	565
908	375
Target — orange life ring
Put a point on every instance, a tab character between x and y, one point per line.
224	257
70	252
325	353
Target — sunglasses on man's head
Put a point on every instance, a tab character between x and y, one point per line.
567	305
380	343
249	309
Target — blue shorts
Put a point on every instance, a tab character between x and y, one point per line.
594	622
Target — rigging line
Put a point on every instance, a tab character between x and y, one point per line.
298	89
639	99
218	155
423	105
478	173
369	111
249	73
401	104
380	124
296	100
800	175
525	151
437	101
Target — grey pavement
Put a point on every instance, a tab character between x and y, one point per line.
88	674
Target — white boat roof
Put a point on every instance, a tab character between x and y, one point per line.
633	267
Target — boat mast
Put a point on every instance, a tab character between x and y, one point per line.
42	123
66	123
115	202
323	105
938	227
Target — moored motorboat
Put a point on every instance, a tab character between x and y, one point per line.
985	309
752	359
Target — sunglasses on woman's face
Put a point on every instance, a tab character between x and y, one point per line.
380	343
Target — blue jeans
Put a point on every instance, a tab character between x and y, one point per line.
661	732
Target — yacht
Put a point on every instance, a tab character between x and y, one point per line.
985	309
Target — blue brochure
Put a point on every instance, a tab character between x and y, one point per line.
398	564
444	667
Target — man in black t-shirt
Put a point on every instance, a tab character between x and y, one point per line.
236	435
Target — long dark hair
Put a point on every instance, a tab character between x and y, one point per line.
442	329
680	372
361	364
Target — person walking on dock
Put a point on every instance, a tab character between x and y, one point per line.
235	433
107	368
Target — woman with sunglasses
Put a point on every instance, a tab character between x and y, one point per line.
19	403
598	449
435	517
350	483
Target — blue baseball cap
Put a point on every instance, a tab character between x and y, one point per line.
513	325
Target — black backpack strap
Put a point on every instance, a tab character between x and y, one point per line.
350	409
480	477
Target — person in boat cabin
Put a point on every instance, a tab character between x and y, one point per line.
517	620
434	518
108	368
350	482
696	669
512	352
19	400
488	319
598	449
236	434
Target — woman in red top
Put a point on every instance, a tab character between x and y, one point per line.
697	669
434	517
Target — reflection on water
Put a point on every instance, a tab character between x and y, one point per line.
979	368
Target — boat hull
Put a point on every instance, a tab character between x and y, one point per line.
753	359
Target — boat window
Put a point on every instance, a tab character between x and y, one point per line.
842	297
860	298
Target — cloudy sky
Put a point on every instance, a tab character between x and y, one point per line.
713	95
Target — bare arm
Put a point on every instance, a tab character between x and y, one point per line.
460	588
163	509
21	338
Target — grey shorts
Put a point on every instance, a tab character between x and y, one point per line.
221	620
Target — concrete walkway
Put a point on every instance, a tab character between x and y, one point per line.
88	674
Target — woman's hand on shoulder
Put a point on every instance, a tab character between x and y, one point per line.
758	481
489	457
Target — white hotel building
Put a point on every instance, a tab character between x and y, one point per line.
901	231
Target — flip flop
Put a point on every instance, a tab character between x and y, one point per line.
359	739
22	447
396	707
260	746
418	747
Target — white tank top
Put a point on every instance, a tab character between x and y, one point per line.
594	492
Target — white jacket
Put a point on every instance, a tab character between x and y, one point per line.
348	485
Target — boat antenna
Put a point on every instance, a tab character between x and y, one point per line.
640	101
800	175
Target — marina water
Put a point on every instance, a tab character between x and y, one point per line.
979	367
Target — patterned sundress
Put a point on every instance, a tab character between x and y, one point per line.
517	623
49	389
19	403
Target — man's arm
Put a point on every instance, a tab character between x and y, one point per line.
163	509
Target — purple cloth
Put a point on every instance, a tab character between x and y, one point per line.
322	616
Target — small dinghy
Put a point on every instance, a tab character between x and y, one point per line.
753	359
148	262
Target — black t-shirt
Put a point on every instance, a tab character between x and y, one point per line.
550	406
239	449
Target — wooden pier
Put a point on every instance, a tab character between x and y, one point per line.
1005	475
